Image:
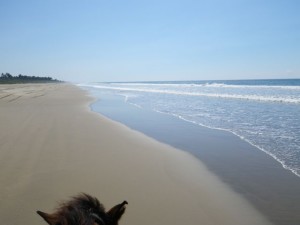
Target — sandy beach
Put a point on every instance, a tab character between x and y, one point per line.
53	146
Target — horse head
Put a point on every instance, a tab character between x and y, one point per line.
84	210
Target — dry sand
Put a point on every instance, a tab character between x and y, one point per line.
53	146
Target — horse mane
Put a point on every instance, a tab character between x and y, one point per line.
83	209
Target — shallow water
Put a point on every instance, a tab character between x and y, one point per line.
264	113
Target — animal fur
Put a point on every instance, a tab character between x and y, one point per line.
84	209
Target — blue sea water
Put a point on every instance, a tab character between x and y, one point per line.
265	113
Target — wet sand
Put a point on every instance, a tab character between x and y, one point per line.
53	146
262	180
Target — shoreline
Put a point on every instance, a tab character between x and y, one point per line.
243	139
251	172
53	147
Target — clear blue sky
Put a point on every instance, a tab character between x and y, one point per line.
127	40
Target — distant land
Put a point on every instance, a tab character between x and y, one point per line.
7	78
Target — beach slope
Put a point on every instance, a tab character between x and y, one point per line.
53	146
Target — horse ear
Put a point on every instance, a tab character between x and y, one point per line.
50	219
117	211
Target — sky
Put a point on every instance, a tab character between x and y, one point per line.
143	40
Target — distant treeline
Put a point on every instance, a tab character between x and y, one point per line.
7	78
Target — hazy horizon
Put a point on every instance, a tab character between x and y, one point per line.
182	80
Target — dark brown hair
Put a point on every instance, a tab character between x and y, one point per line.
84	209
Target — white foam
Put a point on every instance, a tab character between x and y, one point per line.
294	171
289	99
208	85
253	86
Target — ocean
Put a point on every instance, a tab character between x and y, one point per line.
264	113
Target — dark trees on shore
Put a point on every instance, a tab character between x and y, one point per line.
7	78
